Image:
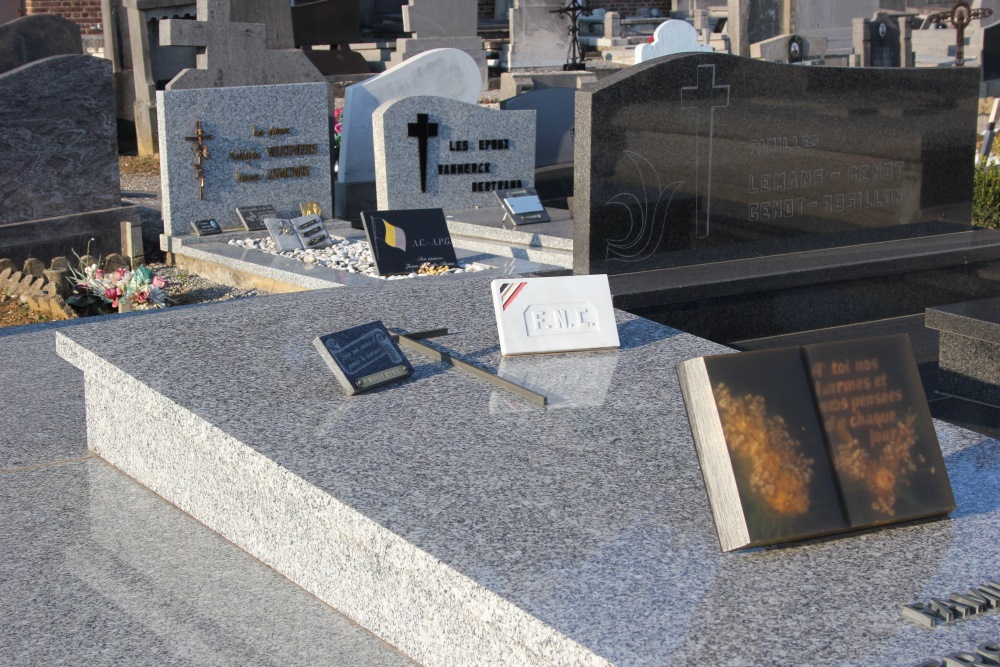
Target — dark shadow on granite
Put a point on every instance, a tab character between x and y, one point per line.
978	466
977	417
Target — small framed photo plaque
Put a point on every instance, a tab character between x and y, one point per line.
522	206
363	357
205	227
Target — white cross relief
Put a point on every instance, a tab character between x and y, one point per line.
704	98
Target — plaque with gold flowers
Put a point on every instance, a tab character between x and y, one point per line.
801	442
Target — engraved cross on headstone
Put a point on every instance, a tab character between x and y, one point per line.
704	98
422	130
200	152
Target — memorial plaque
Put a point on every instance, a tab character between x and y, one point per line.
708	157
799	442
253	217
522	206
304	232
363	357
402	241
432	152
205	227
562	314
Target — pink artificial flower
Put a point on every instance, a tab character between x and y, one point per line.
337	113
159	282
99	274
142	296
111	293
119	292
338	128
114	304
119	274
82	288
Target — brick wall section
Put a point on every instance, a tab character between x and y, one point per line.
86	13
624	7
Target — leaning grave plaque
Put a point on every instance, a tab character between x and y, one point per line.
707	157
363	357
253	217
799	442
402	241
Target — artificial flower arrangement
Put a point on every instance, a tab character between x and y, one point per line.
138	289
338	126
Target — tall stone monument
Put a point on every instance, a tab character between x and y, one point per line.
440	24
538	36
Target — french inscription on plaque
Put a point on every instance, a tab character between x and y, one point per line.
560	314
205	227
253	217
814	440
363	357
403	241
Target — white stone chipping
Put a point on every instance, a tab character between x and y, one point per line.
343	255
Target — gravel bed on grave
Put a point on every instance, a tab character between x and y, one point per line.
354	257
186	288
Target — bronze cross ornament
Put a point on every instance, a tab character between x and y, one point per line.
200	152
961	15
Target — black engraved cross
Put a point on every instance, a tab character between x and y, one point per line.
960	15
704	98
422	130
200	151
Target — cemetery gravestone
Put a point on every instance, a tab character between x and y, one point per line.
334	24
670	37
59	184
700	157
440	72
435	24
32	38
433	152
538	37
225	147
554	108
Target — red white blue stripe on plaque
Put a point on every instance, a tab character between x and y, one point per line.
509	292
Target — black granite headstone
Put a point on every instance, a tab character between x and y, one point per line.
363	357
403	240
707	157
252	217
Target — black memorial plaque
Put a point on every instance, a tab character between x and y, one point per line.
363	357
253	217
403	240
522	206
205	227
708	157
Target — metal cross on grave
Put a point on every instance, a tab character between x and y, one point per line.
422	130
704	98
960	15
200	152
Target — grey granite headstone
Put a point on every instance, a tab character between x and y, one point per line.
263	143
432	152
538	37
442	72
31	38
553	123
440	24
58	139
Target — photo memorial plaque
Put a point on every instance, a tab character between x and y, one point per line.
205	227
522	206
562	314
253	217
403	241
799	442
363	357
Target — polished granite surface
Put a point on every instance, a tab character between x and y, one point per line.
574	533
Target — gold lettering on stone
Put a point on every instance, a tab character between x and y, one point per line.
244	154
301	171
293	150
246	178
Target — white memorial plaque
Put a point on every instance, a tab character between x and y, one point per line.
561	314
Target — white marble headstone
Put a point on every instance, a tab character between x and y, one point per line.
562	314
432	152
442	72
670	37
259	145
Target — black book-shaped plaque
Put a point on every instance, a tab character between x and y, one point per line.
253	217
363	357
402	241
800	442
522	206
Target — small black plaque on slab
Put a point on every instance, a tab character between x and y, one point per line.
522	206
252	217
363	357
205	227
402	241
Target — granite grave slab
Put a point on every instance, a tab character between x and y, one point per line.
433	152
969	359
226	147
59	184
363	358
707	156
546	536
440	72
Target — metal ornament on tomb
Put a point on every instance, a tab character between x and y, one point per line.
709	157
960	15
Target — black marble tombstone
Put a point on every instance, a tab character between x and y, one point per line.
739	199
